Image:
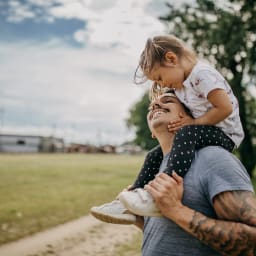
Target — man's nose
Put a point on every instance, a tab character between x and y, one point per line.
161	84
156	105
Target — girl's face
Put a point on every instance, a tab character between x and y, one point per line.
171	74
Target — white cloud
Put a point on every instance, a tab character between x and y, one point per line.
86	93
19	12
126	24
90	89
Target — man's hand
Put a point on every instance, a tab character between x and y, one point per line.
167	191
234	236
175	125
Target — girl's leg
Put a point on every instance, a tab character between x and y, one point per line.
192	137
150	167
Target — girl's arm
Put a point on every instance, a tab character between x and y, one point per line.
221	109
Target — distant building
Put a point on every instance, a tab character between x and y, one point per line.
129	148
10	143
88	148
107	149
81	148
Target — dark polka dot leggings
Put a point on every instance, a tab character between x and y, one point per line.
186	141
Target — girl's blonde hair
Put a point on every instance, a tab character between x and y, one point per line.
154	52
155	91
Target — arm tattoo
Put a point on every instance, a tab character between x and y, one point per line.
248	211
237	206
228	238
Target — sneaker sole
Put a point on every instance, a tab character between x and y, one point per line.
111	219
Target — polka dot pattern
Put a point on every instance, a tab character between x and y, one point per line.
186	141
150	167
192	137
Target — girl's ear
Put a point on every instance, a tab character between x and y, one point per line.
171	58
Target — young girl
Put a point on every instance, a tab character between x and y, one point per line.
168	62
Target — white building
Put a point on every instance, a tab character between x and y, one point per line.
30	144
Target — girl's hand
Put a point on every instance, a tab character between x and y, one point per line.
175	125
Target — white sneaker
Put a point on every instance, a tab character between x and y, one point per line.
113	212
139	202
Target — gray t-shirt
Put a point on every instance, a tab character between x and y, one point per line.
214	170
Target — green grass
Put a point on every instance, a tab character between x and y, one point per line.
131	249
39	191
42	190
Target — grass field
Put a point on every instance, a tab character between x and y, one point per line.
40	191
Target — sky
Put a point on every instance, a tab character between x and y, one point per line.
67	66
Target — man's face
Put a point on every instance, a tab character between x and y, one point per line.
164	109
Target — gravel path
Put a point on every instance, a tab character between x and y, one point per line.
85	236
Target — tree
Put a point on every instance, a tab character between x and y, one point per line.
226	36
138	120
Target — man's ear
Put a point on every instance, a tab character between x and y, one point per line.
171	58
181	115
153	136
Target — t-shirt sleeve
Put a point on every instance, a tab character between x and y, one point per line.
225	175
206	81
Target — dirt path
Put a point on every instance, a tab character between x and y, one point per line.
85	236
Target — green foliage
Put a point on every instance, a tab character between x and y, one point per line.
225	34
138	120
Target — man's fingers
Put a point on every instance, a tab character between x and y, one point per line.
178	178
163	182
165	179
155	184
153	191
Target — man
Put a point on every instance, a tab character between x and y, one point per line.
211	212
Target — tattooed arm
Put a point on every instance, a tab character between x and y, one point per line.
233	234
237	206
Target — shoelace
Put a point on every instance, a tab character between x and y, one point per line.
115	202
142	194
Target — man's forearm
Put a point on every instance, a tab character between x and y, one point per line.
226	237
